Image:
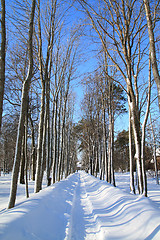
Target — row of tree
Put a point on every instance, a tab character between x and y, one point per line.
37	132
126	31
103	101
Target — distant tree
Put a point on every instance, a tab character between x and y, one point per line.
7	142
122	151
103	101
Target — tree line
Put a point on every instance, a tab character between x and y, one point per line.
126	30
39	62
40	66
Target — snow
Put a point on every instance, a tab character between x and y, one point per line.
81	207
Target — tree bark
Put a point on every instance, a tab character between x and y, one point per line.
40	141
26	157
42	113
55	140
33	153
2	58
154	152
22	170
144	132
132	187
105	143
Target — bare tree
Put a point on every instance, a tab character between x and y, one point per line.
45	67
150	24
24	104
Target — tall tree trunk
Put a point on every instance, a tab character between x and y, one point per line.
43	163
60	161
55	140
42	113
111	137
137	141
132	187
40	142
154	152
101	162
48	159
26	157
144	132
24	103
96	161
112	155
22	167
2	57
33	153
59	138
68	149
52	136
105	142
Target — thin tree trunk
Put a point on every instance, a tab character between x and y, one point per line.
22	167
26	157
132	187
48	130
110	145
40	142
33	154
43	166
68	151
112	152
144	131
96	161
60	162
55	140
105	142
58	137
137	140
52	135
42	113
154	153
2	57
101	162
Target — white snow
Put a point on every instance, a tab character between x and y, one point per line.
81	207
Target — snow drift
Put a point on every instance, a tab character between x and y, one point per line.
81	207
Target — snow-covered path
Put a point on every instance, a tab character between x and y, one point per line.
81	207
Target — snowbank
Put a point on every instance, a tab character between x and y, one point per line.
81	207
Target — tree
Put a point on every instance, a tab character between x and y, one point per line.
150	24
7	142
122	151
24	105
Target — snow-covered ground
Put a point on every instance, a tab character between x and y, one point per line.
81	207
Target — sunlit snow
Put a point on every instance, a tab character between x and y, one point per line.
81	207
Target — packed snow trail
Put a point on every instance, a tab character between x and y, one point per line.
81	207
